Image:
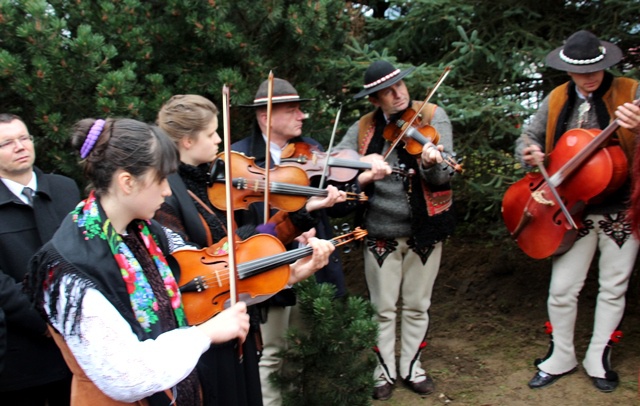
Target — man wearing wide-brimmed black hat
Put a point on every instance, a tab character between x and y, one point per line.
286	128
592	98
407	221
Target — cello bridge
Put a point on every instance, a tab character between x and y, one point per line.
538	196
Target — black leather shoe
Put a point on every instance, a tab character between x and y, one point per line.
542	379
383	392
423	387
604	385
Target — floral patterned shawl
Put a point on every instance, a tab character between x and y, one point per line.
107	264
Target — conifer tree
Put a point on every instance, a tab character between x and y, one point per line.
331	361
63	60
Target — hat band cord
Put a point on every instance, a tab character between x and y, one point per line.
292	97
382	79
583	61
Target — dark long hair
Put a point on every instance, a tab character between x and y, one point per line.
126	144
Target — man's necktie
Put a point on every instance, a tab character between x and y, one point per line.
28	192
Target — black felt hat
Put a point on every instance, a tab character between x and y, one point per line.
283	92
380	75
583	52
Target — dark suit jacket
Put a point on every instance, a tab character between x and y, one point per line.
254	146
31	358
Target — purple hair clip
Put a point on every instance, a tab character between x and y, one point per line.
92	137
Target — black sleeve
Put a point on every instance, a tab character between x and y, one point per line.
17	307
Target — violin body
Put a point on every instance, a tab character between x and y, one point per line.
262	266
204	275
414	134
249	185
413	142
288	186
343	165
530	212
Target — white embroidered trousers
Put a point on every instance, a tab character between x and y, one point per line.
402	275
568	275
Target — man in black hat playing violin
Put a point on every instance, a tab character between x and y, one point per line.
286	127
591	99
407	221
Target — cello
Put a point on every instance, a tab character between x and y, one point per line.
583	169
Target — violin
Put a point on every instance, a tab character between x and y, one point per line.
289	185
262	265
343	166
408	130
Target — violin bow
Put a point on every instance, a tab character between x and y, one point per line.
267	154
424	103
231	231
325	170
552	188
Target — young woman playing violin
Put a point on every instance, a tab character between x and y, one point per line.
106	281
192	123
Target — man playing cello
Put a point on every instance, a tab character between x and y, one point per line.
591	99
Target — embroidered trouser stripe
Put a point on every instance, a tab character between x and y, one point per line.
400	275
568	275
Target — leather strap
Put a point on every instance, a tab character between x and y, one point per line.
204	222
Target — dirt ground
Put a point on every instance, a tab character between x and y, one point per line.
487	327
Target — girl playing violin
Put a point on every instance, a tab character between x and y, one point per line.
191	122
106	284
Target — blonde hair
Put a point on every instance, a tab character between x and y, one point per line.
186	115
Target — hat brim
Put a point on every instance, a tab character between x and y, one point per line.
276	100
385	84
612	57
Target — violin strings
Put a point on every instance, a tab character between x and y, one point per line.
256	266
289	189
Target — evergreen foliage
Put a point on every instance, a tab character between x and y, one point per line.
331	361
496	50
64	60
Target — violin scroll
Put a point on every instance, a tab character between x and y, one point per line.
347	236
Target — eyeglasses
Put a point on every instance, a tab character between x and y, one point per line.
23	139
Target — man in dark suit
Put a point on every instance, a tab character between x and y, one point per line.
32	205
286	129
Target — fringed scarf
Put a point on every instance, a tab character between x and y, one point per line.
130	271
144	303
